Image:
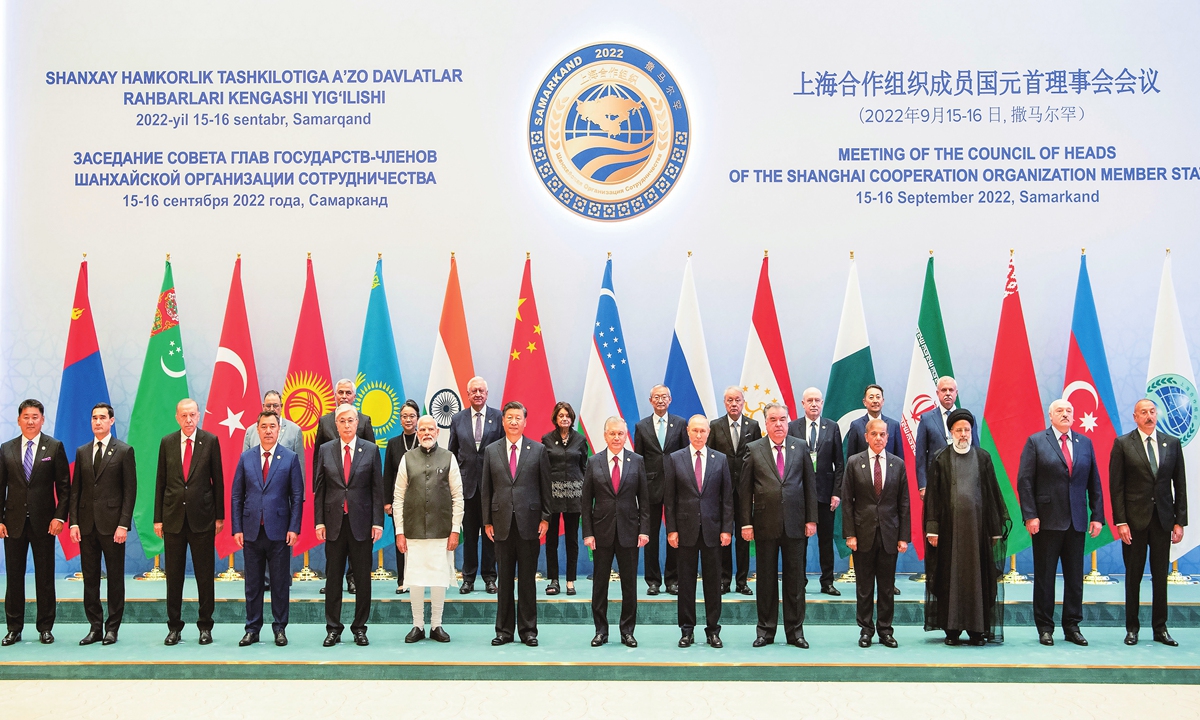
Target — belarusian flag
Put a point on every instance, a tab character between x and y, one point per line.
1013	409
162	386
1172	386
930	361
308	394
528	377
765	376
233	400
452	367
1088	387
852	371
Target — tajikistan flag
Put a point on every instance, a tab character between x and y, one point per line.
765	376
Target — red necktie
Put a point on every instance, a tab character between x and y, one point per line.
878	479
1066	452
779	460
346	469
512	460
187	458
699	474
616	474
266	465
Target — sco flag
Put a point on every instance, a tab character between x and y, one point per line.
608	385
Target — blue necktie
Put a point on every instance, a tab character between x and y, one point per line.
27	463
662	433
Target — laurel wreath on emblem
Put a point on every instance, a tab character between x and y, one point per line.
444	404
1178	402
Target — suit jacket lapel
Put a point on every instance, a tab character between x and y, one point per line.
108	453
1136	437
271	469
525	448
788	458
1057	448
195	453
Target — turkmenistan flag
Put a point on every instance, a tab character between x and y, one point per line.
163	385
1013	409
852	371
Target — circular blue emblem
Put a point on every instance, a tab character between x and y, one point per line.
609	131
443	405
1177	402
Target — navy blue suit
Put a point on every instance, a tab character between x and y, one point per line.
829	466
931	440
265	510
856	437
470	464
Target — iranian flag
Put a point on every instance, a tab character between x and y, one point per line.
930	361
452	367
765	376
1013	409
528	377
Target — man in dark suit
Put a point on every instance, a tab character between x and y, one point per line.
266	505
1057	483
780	515
1149	504
731	435
876	526
513	490
35	487
189	510
472	429
344	392
102	498
932	434
856	436
348	510
824	440
654	437
615	512
698	495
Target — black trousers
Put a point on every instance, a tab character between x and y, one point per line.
739	547
602	560
795	562
650	566
336	554
1049	547
472	534
707	557
570	523
875	569
175	547
93	546
259	555
16	554
517	556
825	542
1157	540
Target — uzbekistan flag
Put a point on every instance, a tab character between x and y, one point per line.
608	386
688	374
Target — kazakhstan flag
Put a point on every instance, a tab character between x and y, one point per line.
380	389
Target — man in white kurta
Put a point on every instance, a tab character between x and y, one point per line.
428	513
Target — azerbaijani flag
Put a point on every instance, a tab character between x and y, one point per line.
608	386
688	374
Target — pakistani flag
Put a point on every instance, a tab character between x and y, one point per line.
852	371
380	389
163	385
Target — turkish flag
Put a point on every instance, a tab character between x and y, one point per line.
233	400
528	378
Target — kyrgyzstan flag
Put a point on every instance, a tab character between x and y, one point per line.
308	394
83	385
233	400
528	378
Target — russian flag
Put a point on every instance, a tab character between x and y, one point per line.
688	374
83	385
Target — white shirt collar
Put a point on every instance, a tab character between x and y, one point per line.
102	441
37	442
264	449
619	456
1146	437
347	444
184	438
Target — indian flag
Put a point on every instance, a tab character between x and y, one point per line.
452	367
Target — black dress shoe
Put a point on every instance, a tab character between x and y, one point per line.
248	639
799	642
1076	637
599	640
895	590
687	640
322	590
332	639
439	634
888	641
415	635
724	588
11	639
761	641
360	638
629	641
570	589
1131	638
501	640
953	640
281	639
490	587
466	588
47	638
172	638
715	641
830	590
351	586
205	637
652	590
401	590
977	641
1046	638
552	588
93	636
110	638
864	641
531	641
745	589
672	588
1163	637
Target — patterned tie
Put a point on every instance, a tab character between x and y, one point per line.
27	463
736	434
96	460
946	423
512	461
346	462
779	459
812	436
699	473
478	429
187	459
266	465
1149	453
1066	453
878	479
616	474
662	433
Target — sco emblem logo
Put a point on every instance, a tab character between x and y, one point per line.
608	132
1177	403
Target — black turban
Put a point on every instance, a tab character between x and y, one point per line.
959	414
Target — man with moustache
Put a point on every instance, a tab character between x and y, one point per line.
824	440
731	434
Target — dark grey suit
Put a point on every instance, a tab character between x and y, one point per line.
470	464
720	438
102	499
829	466
878	524
326	431
645	443
699	513
615	519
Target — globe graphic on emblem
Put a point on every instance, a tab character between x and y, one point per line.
1175	408
609	133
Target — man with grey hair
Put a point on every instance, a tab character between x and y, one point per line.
732	434
472	429
824	439
654	437
290	434
933	435
344	393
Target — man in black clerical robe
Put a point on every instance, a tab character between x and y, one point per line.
966	529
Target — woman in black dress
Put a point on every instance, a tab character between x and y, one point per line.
567	450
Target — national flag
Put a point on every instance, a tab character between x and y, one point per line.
930	362
528	377
1013	409
1171	384
765	376
233	400
83	385
380	387
608	386
452	367
849	375
308	394
688	374
163	384
1089	389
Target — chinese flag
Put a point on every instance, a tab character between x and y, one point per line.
308	394
528	378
